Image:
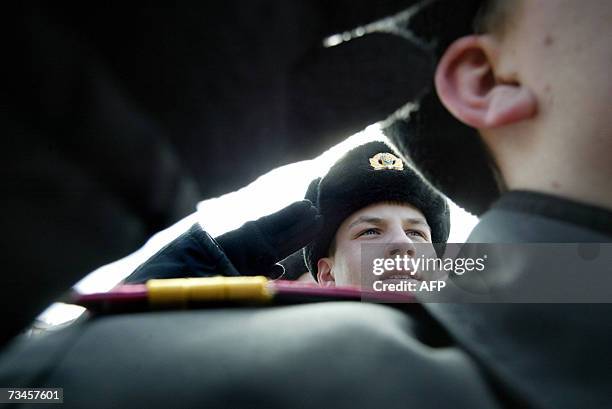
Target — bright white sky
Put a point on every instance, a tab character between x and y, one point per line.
269	193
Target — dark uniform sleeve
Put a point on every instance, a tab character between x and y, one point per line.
193	254
253	249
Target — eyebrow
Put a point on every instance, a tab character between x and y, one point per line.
417	221
366	219
378	221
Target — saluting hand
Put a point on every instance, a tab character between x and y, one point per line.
255	247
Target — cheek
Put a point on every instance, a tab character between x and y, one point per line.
427	250
347	266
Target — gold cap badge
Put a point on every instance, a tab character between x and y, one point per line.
385	160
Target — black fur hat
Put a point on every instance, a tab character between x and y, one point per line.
369	174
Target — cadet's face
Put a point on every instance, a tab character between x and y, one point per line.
392	229
563	51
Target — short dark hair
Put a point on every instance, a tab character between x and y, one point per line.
494	16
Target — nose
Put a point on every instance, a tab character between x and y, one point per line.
400	245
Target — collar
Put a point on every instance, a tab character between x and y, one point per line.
559	208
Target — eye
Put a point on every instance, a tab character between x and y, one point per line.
416	233
369	232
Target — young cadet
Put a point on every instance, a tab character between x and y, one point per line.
537	91
374	206
369	196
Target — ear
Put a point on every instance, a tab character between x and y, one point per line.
471	89
325	277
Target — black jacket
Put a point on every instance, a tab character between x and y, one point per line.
341	355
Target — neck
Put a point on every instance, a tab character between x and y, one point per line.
572	176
